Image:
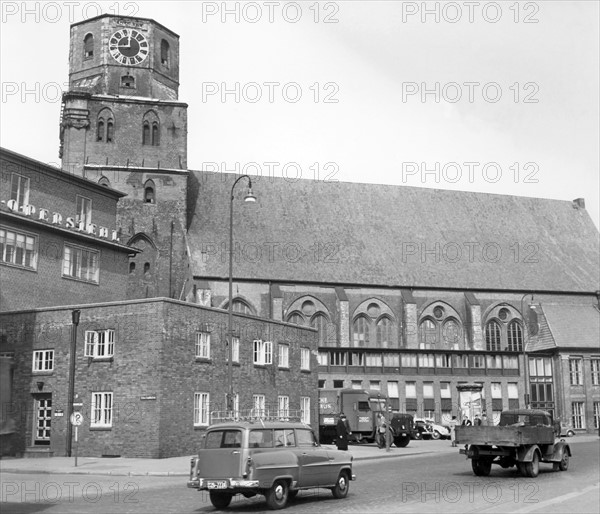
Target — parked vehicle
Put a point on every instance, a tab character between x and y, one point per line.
360	407
276	459
438	431
422	430
403	428
523	438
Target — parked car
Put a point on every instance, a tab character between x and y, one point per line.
276	459
566	430
423	429
438	431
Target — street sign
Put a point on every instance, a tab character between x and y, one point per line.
76	419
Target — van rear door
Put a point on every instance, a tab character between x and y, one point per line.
221	456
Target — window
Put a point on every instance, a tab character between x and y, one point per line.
202	345
360	330
384	332
443	360
258	400
595	367
109	131
201	406
296	318
43	360
322	359
409	360
575	371
392	389
426	360
338	384
263	352
391	360
146	268
235	349
88	46
460	361
356	384
100	130
578	415
149	192
321	384
164	53
427	389
284	356
18	248
375	385
19	189
127	81
510	362
84	210
155	134
513	390
283	406
494	361
305	358
321	323
515	337
241	306
451	333
410	389
478	361
146	133
445	391
99	344
81	263
596	415
428	334
496	390
373	360
492	336
102	405
131	268
305	409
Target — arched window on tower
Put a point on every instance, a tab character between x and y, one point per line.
515	337
360	331
149	192
155	134
492	336
165	59
109	131
128	81
100	130
146	133
88	46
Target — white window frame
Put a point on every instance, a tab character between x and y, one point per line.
258	401
410	389
24	241
375	385
283	406
201	409
73	257
512	389
305	359
23	183
578	414
102	409
445	390
235	349
99	344
263	352
43	360
305	409
284	355
576	371
428	391
84	210
496	390
356	384
595	369
203	345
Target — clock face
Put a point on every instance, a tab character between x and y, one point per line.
128	46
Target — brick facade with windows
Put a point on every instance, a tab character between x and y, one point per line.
151	371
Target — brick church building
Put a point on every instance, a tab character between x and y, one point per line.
412	291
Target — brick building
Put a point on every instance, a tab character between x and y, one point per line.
148	374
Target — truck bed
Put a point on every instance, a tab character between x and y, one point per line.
504	436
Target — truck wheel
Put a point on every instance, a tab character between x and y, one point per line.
277	496
481	467
532	468
522	469
220	500
341	486
418	435
401	442
563	465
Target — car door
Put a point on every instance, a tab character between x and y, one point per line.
315	467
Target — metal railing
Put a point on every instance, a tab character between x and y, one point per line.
254	415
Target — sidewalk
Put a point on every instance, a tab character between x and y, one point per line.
180	466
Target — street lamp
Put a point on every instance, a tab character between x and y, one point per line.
525	356
250	198
75	315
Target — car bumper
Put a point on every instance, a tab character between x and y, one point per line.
205	484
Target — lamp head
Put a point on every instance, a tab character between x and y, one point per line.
250	198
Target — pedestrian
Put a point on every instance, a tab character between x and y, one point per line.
453	423
467	422
343	431
484	420
477	420
389	435
380	431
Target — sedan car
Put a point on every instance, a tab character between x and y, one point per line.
276	459
438	431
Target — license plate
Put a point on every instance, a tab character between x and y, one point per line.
217	484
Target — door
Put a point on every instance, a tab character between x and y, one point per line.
43	420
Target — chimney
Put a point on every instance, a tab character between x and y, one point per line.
579	203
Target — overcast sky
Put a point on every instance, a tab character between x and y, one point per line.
494	97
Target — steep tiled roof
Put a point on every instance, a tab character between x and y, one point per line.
573	325
350	233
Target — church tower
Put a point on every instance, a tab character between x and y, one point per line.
123	126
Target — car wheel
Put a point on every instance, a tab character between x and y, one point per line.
570	433
563	465
278	495
436	435
342	486
418	435
533	468
220	500
481	467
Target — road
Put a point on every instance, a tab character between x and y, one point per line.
423	483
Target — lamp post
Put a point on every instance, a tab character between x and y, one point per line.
250	198
75	315
525	356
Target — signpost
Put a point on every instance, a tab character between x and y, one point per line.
76	420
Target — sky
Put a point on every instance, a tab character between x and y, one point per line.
495	97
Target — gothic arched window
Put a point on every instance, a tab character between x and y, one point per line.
127	81
451	334
109	131
321	323
146	133
100	130
164	53
296	318
88	46
492	336
515	337
384	332
429	333
149	192
360	331
155	134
